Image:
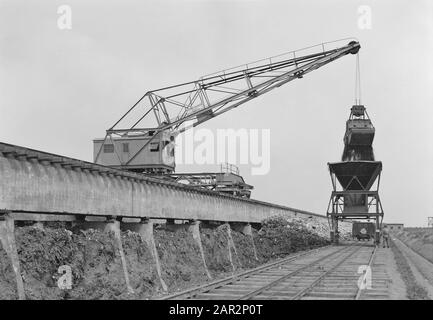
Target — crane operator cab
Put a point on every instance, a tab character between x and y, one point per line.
150	153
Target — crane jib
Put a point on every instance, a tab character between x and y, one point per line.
168	109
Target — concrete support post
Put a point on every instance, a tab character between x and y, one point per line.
114	226
7	239
231	246
194	228
248	231
334	230
145	229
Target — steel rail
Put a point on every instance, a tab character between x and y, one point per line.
370	262
343	256
218	283
304	291
288	275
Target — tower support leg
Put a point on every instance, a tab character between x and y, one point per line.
334	230
377	234
7	241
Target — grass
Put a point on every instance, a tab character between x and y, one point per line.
413	290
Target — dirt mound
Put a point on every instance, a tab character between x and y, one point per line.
180	259
215	247
320	226
96	265
141	269
280	236
7	277
41	253
245	250
94	260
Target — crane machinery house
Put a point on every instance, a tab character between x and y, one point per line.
148	152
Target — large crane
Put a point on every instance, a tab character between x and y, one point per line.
140	140
356	179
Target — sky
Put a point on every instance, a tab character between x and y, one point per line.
61	88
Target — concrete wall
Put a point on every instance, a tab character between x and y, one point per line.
32	185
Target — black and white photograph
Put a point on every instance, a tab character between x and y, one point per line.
191	153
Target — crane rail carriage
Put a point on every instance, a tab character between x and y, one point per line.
228	181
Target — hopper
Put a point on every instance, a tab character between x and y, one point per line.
356	175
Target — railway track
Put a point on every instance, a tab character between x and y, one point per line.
326	273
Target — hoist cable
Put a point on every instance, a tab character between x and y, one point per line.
357	81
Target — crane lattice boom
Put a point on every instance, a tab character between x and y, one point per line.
179	107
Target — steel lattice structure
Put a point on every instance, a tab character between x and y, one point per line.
179	107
